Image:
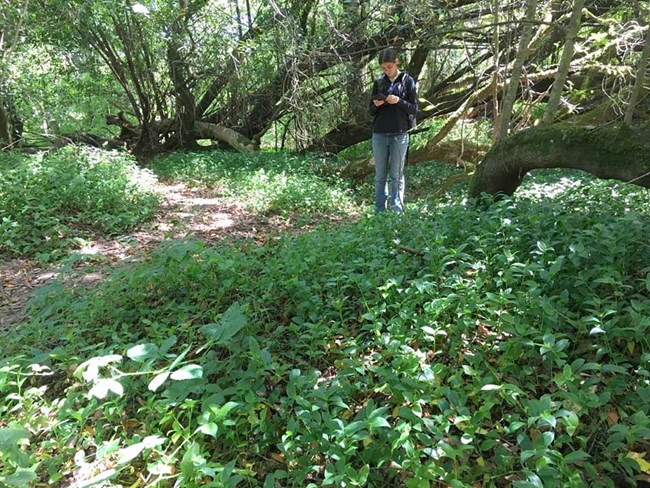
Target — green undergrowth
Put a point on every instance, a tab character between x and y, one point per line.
454	345
53	202
270	183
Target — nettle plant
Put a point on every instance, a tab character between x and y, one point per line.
456	346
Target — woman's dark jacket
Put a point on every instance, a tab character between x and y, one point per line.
394	119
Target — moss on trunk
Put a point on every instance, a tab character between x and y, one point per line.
612	151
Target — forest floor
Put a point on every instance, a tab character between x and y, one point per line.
184	211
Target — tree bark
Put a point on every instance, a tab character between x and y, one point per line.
503	126
565	63
5	134
610	152
640	77
205	130
179	74
450	152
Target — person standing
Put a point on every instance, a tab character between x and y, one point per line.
393	105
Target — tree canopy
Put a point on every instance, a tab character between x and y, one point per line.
296	74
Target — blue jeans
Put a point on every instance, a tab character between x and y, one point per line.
389	151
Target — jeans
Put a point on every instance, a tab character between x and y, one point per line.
389	151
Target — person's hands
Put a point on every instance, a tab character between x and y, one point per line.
392	99
378	103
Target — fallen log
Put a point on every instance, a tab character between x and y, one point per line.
456	152
206	130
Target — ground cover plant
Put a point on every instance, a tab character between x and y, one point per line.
269	183
52	201
456	345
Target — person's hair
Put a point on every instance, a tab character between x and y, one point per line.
388	55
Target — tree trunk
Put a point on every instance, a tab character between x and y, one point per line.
496	71
179	74
503	126
611	151
640	77
565	63
5	134
204	130
225	73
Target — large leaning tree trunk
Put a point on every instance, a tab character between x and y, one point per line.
613	151
455	152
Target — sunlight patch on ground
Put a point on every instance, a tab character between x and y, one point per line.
204	201
213	221
551	190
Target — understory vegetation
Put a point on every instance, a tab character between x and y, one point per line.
54	201
459	344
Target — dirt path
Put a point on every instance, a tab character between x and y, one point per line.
184	211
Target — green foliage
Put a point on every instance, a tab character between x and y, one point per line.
510	350
268	183
50	201
57	93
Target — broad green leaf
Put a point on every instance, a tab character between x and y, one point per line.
21	477
574	457
101	388
557	265
548	308
223	411
644	465
547	438
364	472
570	419
533	481
191	459
353	427
210	429
158	380
129	453
9	437
188	372
142	352
90	369
377	422
168	344
417	483
614	368
232	321
378	412
227	470
96	480
107	448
